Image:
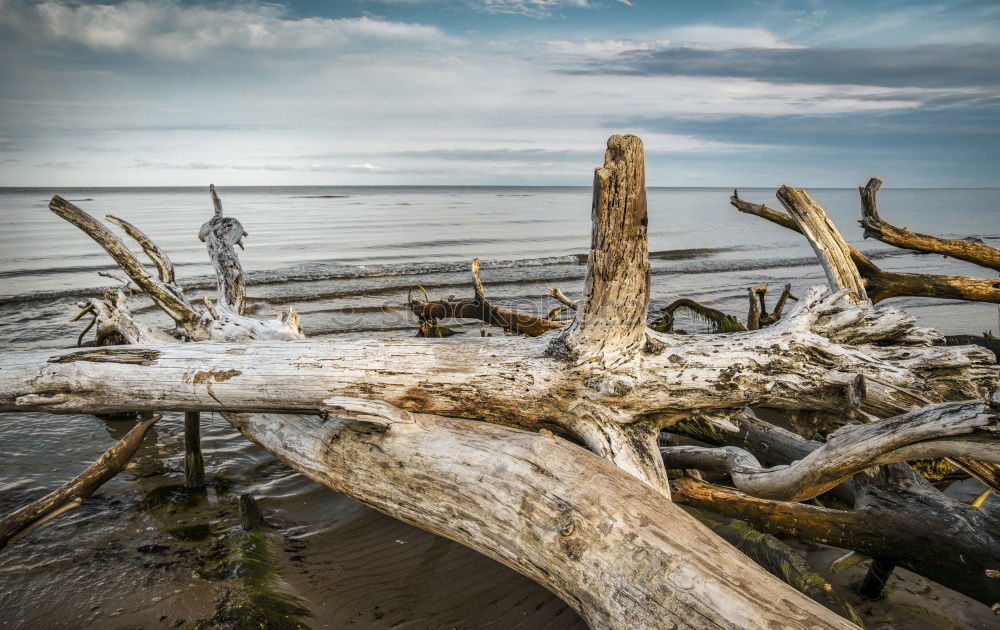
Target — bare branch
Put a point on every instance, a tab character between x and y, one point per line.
158	291
947	429
157	255
72	493
875	227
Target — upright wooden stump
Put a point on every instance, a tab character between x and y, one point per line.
875	580
194	463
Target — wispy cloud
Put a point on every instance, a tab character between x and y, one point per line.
171	30
932	66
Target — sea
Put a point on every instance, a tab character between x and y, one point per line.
346	259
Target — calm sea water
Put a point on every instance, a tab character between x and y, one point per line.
345	257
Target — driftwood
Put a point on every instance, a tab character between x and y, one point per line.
880	284
896	514
540	451
757	317
479	307
968	250
74	492
943	430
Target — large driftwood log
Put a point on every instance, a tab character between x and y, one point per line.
598	529
810	360
619	553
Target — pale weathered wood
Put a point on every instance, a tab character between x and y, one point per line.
969	429
73	492
164	266
162	296
618	552
608	330
514	381
221	235
831	249
875	227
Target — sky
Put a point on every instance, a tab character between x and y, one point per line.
498	92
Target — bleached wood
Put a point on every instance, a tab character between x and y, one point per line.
221	235
831	249
618	552
164	266
513	380
608	330
168	301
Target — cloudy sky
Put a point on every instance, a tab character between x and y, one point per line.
371	92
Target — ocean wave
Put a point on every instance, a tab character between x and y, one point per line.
302	279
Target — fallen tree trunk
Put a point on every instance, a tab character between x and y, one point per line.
540	505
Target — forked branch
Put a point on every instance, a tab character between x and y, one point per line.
882	285
875	227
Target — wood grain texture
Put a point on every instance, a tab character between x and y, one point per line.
609	326
542	506
831	249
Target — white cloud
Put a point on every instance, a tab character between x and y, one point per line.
536	8
709	37
171	30
700	37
